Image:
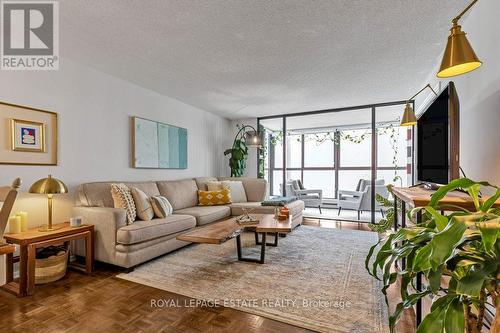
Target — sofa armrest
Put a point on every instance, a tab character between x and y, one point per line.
106	222
302	192
355	194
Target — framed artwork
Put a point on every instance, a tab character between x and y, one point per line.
158	145
28	136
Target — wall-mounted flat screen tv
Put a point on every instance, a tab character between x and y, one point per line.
438	139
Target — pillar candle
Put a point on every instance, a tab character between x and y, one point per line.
15	224
24	220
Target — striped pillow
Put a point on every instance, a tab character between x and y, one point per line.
161	206
122	198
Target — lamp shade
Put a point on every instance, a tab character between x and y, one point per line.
48	185
253	139
459	57
409	118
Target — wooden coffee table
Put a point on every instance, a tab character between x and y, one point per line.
220	232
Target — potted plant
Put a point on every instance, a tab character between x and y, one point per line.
457	253
246	137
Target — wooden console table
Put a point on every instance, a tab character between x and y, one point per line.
32	239
421	197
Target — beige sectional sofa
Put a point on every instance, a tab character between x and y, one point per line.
129	245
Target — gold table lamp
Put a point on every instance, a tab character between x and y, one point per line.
49	186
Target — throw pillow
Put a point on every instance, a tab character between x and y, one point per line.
238	193
161	206
214	198
214	186
142	205
122	198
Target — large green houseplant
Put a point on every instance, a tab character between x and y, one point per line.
457	253
238	153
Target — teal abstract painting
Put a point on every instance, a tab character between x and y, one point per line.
159	145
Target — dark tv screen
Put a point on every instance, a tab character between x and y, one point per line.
432	142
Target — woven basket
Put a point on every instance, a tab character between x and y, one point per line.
51	269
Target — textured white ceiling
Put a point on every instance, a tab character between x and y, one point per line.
258	57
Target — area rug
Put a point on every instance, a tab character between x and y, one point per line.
314	279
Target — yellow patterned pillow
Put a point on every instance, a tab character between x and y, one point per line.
214	198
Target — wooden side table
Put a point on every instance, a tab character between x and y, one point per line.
32	239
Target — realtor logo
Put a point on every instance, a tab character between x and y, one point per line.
30	35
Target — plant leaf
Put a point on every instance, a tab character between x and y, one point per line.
445	241
441	221
422	259
454	320
489	233
474	194
454	184
491	200
472	283
434	321
382	255
369	256
434	277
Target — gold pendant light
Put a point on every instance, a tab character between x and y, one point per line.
409	117
459	57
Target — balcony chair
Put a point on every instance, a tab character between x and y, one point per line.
311	198
360	199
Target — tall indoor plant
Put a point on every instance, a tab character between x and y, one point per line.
246	137
459	255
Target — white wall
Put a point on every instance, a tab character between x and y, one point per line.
479	95
94	131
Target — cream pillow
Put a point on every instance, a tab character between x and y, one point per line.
161	206
122	198
238	193
214	186
142	205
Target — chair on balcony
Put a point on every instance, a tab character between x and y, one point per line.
311	198
360	199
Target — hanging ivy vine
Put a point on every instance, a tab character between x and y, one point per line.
385	129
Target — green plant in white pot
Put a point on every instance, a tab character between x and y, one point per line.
457	253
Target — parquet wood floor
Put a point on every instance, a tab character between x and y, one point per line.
104	303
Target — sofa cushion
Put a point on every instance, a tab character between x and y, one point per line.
161	206
201	182
141	231
98	194
180	193
206	214
296	207
94	195
122	198
150	188
214	198
255	188
142	204
237	190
